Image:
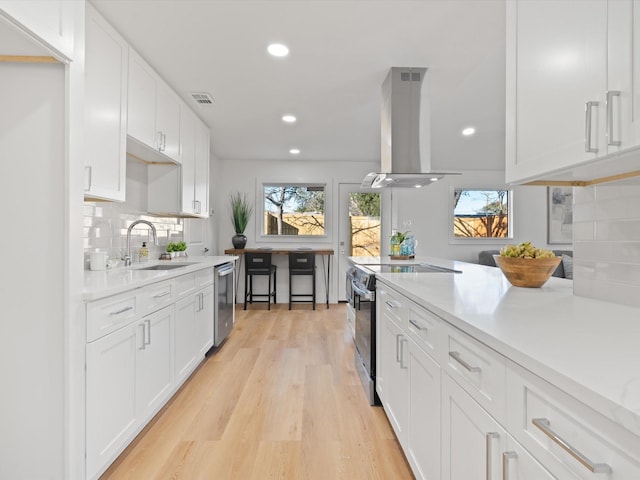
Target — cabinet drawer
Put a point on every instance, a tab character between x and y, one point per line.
158	296
204	278
185	285
426	329
478	369
107	315
392	305
566	435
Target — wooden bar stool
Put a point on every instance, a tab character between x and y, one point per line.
302	263
259	264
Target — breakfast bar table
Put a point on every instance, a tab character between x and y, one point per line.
323	252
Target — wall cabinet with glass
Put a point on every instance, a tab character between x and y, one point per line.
571	89
106	77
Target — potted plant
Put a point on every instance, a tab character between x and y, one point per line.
172	249
181	248
241	211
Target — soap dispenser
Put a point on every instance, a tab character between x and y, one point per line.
143	254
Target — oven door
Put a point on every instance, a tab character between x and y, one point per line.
364	306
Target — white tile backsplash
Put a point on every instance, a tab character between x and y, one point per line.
606	245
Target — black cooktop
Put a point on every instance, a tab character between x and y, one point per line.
409	268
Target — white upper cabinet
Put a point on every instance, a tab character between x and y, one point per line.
569	89
106	67
50	22
183	191
154	114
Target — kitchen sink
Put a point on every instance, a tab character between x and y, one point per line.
167	266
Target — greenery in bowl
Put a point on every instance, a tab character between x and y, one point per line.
241	211
525	250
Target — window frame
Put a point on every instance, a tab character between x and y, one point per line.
262	237
453	240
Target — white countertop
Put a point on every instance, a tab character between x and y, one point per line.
104	283
586	347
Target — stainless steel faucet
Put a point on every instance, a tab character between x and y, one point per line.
127	258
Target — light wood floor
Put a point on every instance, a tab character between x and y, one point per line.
279	400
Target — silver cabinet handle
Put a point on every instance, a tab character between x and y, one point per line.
588	108
159	141
402	341
545	426
164	142
398	337
609	130
488	438
392	303
506	456
163	294
125	309
456	356
417	325
148	329
87	178
143	343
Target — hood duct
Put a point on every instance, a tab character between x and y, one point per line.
406	130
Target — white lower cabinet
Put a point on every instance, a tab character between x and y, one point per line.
463	411
423	442
141	346
154	369
111	402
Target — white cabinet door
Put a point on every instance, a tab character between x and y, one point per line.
423	445
204	321
106	77
518	464
397	379
188	147
49	21
154	366
111	388
168	120
556	63
142	102
201	182
472	441
184	344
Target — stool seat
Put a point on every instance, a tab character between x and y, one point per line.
302	263
259	264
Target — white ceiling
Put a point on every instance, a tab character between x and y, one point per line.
340	54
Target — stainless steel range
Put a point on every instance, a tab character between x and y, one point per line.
361	314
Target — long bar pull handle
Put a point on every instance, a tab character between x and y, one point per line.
142	336
159	141
402	341
398	336
587	126
506	456
392	303
88	177
610	129
163	294
545	426
417	325
456	356
125	309
148	329
488	438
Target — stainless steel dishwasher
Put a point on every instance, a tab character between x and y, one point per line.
224	308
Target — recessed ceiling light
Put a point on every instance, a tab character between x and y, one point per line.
278	50
434	179
288	118
417	185
294	151
468	131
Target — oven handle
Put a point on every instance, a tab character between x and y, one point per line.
366	294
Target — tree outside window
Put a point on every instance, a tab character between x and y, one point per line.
297	210
481	213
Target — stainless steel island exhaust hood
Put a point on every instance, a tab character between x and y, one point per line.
405	128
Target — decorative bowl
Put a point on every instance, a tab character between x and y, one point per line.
527	272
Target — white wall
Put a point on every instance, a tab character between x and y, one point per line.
430	210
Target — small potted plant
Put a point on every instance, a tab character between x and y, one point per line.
241	211
172	249
181	249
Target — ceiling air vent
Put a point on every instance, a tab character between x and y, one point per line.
410	76
202	98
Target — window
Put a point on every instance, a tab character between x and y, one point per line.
293	209
482	214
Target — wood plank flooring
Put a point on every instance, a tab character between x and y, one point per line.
280	399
